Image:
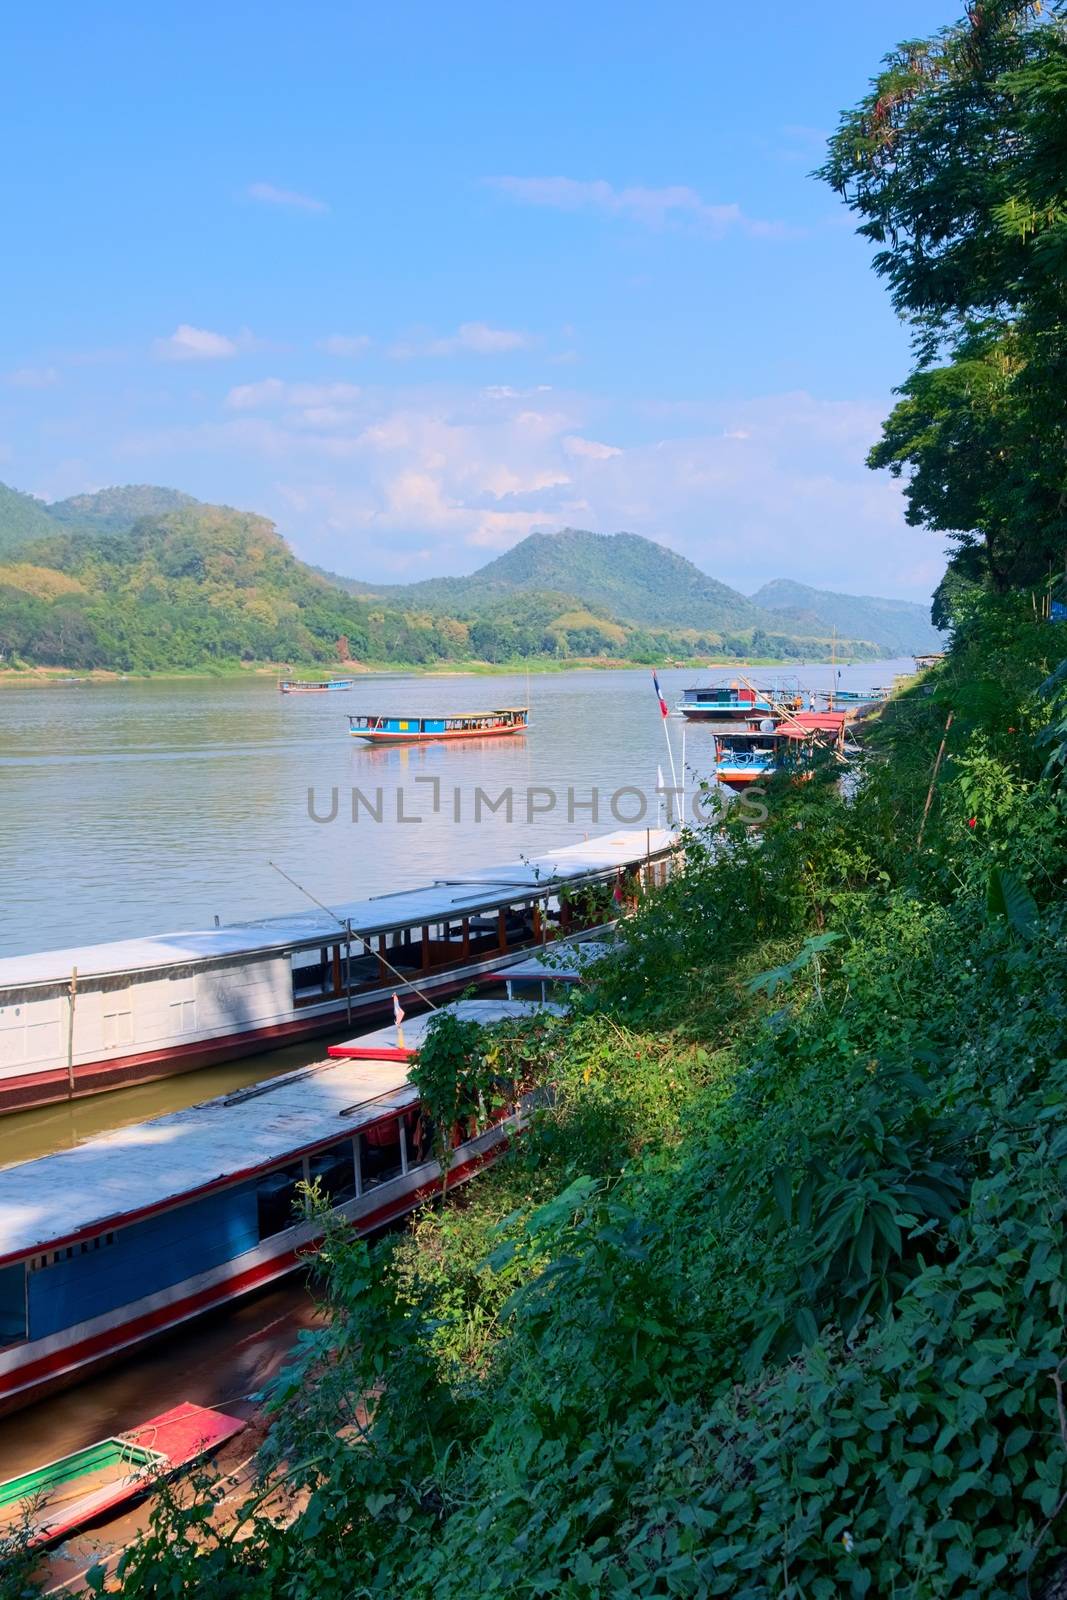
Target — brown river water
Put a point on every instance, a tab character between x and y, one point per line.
129	808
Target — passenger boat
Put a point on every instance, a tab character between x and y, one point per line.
94	1017
315	686
853	697
754	755
55	1500
107	1244
737	702
385	728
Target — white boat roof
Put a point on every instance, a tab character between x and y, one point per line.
131	1170
484	889
559	961
415	1029
608	853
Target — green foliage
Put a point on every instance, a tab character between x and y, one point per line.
954	161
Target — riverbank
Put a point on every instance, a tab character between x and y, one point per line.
775	1284
38	676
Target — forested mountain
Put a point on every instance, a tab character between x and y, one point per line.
900	627
21	518
141	578
115	510
623	575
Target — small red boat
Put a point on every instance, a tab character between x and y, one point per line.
390	729
53	1501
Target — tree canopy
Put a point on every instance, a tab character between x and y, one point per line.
955	162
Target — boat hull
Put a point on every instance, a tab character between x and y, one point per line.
27	1372
379	736
30	1090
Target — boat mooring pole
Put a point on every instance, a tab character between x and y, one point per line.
70	1033
933	780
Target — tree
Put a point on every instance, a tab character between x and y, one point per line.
955	163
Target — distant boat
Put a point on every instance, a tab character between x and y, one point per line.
53	1501
735	702
854	697
311	686
386	728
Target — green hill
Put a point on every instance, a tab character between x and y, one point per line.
140	578
899	627
116	510
21	518
621	575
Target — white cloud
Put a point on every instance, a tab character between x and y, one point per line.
187	343
273	392
367	482
344	344
269	194
588	449
652	207
473	338
32	378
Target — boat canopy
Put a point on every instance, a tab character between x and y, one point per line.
386	1041
117	1177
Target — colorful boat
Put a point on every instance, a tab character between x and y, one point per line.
386	728
738	702
53	1501
315	686
754	755
110	1243
73	1022
853	697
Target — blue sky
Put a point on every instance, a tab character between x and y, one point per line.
416	280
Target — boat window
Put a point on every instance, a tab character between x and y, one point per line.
312	972
335	1172
13	1304
276	1198
379	1153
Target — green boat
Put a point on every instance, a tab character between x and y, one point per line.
50	1502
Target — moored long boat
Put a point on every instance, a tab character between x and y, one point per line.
753	755
388	728
77	1021
135	1232
316	686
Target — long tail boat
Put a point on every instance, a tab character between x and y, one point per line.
50	1502
101	1016
315	686
753	755
387	728
114	1241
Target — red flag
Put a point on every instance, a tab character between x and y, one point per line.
664	709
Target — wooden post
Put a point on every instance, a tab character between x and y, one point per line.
933	780
70	1033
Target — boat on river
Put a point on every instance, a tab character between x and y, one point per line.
746	756
737	702
316	685
849	698
385	728
93	1017
110	1243
53	1501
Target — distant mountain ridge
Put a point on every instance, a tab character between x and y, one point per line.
901	627
146	578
